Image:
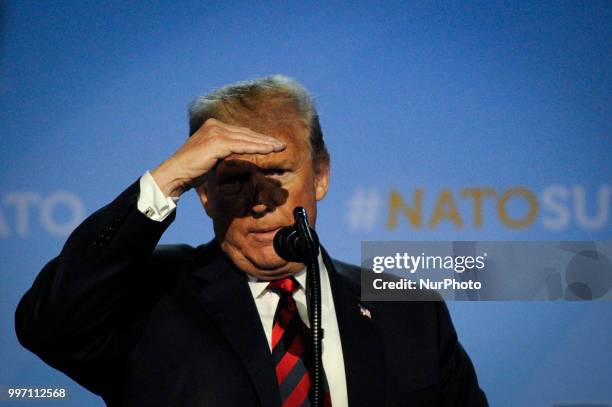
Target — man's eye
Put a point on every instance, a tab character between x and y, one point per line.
276	172
230	187
232	184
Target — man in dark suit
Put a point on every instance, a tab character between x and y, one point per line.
223	324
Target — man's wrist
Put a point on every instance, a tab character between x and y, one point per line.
165	176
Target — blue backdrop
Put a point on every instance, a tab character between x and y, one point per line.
417	102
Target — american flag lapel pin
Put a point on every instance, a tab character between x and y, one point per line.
364	312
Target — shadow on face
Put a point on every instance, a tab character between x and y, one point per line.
241	189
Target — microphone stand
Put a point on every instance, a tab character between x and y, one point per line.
299	243
313	294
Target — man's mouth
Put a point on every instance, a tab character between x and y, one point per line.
265	235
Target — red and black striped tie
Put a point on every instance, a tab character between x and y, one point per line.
290	349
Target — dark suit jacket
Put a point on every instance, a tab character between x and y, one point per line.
178	326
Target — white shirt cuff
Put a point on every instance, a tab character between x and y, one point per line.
152	202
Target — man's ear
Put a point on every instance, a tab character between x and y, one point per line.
321	179
203	195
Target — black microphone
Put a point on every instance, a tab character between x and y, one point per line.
289	245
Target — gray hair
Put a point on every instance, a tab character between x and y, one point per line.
259	103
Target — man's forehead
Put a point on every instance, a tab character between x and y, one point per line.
287	131
282	124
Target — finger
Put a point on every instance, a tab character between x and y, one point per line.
248	147
250	137
255	139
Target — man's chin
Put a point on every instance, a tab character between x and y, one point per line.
273	269
271	265
266	258
262	263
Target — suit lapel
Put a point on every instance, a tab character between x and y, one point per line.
224	293
361	343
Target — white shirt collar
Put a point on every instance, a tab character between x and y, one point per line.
258	288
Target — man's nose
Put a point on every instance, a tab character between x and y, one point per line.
261	202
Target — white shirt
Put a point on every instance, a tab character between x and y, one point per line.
154	204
